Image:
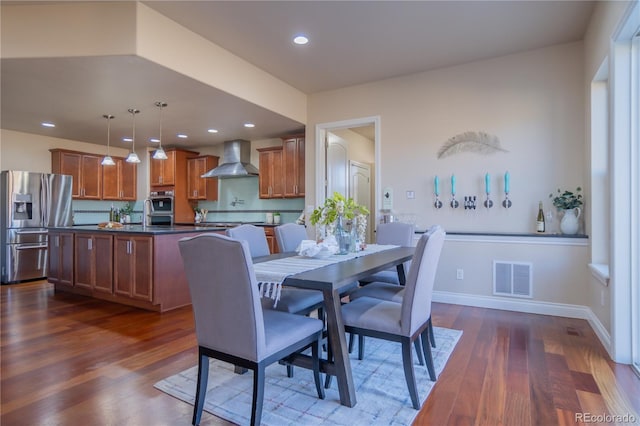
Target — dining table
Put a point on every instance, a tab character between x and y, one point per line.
334	281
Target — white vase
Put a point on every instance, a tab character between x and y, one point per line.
569	223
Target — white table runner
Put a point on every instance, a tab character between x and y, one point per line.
272	273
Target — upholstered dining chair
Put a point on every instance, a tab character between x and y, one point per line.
292	300
230	324
406	321
386	285
289	236
396	233
254	236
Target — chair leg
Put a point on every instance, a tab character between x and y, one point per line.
201	388
289	370
427	354
416	344
351	342
258	395
432	337
409	375
360	347
315	354
328	377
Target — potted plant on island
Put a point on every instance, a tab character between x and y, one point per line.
200	214
125	213
570	203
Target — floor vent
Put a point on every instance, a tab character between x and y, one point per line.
512	278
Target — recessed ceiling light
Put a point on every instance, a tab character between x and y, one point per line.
182	136
212	131
249	125
127	139
154	140
47	124
300	39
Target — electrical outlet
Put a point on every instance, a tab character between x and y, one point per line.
411	195
459	274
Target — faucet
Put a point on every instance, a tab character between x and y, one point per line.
145	212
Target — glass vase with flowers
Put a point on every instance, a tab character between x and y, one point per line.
336	217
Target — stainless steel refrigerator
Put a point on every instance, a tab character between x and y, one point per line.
31	202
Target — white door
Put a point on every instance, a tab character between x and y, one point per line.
337	166
360	189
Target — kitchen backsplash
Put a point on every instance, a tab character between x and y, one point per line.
237	201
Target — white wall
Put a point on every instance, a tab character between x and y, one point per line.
534	103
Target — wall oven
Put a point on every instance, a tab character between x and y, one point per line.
162	205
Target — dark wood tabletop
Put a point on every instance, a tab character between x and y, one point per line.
332	280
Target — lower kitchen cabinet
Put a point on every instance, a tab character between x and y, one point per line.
94	262
133	267
60	263
271	239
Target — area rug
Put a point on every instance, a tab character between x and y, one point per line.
381	391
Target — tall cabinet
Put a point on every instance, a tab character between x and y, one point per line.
171	175
293	159
271	182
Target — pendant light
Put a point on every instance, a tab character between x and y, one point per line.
107	160
159	154
133	157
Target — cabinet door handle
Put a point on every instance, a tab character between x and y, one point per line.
89	244
57	240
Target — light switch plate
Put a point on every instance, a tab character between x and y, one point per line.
387	199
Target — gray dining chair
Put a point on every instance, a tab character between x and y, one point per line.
230	324
403	322
254	235
289	236
387	285
396	233
292	300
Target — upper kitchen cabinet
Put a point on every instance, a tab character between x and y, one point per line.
271	182
85	169
199	188
163	172
293	160
119	181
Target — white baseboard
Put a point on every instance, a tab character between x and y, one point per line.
531	307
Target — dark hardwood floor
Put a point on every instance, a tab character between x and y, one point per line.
70	360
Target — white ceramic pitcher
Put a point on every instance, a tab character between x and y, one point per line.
569	223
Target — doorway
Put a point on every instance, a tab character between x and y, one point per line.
333	167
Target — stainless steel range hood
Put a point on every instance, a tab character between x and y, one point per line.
235	161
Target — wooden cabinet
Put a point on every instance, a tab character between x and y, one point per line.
119	182
271	183
94	262
199	188
60	263
163	172
293	165
271	239
85	169
171	175
133	267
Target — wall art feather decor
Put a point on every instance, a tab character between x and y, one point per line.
478	142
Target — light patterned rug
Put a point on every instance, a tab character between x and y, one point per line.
381	390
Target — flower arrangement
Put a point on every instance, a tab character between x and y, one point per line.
201	214
126	210
328	213
567	200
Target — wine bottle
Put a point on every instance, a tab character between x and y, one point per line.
540	219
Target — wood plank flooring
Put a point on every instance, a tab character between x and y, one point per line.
70	360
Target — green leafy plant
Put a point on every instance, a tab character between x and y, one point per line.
126	210
565	200
334	206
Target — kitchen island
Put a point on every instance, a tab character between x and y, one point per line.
134	265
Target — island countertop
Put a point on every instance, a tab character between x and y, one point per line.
139	229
